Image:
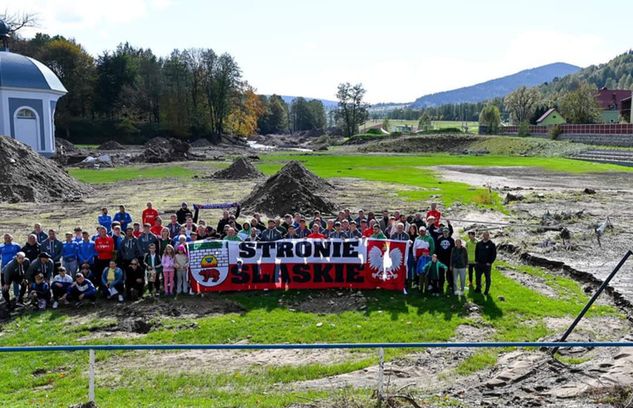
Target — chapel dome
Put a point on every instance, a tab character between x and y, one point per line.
18	71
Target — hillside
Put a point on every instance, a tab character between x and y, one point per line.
615	74
327	103
497	87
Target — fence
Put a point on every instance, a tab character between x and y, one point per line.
379	346
596	129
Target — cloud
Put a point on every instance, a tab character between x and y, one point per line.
68	16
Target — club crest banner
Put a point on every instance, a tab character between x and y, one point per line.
297	264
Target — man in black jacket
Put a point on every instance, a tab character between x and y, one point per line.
32	248
14	274
443	247
485	255
183	213
271	233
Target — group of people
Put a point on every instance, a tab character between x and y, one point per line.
123	259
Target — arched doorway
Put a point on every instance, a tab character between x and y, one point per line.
27	127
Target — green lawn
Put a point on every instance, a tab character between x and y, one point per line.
404	170
112	175
59	379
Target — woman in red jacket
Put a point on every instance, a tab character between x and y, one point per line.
104	248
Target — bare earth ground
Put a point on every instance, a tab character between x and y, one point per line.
555	193
519	378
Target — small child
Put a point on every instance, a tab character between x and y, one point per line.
182	268
169	266
153	269
60	285
40	292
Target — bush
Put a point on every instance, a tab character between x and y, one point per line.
524	129
554	132
374	131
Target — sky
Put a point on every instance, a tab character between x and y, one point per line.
398	50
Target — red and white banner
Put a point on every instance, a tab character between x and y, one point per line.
297	264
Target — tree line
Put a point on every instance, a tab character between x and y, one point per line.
131	94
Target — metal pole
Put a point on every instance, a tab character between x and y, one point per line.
592	300
91	377
381	374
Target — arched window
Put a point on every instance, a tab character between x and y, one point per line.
26	114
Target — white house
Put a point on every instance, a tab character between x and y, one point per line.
29	92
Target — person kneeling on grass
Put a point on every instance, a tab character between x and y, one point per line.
82	289
433	271
40	292
60	285
135	280
112	282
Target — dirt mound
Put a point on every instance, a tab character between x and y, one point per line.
111	145
200	143
161	150
292	189
449	143
27	176
63	144
241	168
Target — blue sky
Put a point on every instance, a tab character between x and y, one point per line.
399	50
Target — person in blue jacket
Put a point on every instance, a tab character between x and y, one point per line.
40	292
82	289
123	217
8	250
105	220
54	248
86	250
112	281
70	255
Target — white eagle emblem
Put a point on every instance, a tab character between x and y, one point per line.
385	264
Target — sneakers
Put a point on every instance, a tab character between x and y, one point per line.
120	298
55	304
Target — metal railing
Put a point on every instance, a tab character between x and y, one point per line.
379	346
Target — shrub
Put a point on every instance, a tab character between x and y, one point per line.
374	131
524	129
554	132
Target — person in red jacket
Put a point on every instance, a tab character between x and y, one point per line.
157	227
104	248
149	214
434	212
316	232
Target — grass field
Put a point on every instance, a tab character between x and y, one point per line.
59	379
402	170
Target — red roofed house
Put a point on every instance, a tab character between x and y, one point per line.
615	105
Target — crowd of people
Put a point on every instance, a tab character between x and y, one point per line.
126	259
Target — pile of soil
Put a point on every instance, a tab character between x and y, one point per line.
292	189
200	143
64	145
241	168
161	150
441	143
27	176
111	145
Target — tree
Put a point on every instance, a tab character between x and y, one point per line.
490	118
275	116
352	111
580	105
522	103
242	120
306	115
386	125
18	21
221	84
425	123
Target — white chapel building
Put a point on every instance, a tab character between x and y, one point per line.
29	92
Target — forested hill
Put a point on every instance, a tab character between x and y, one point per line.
327	104
615	74
497	87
